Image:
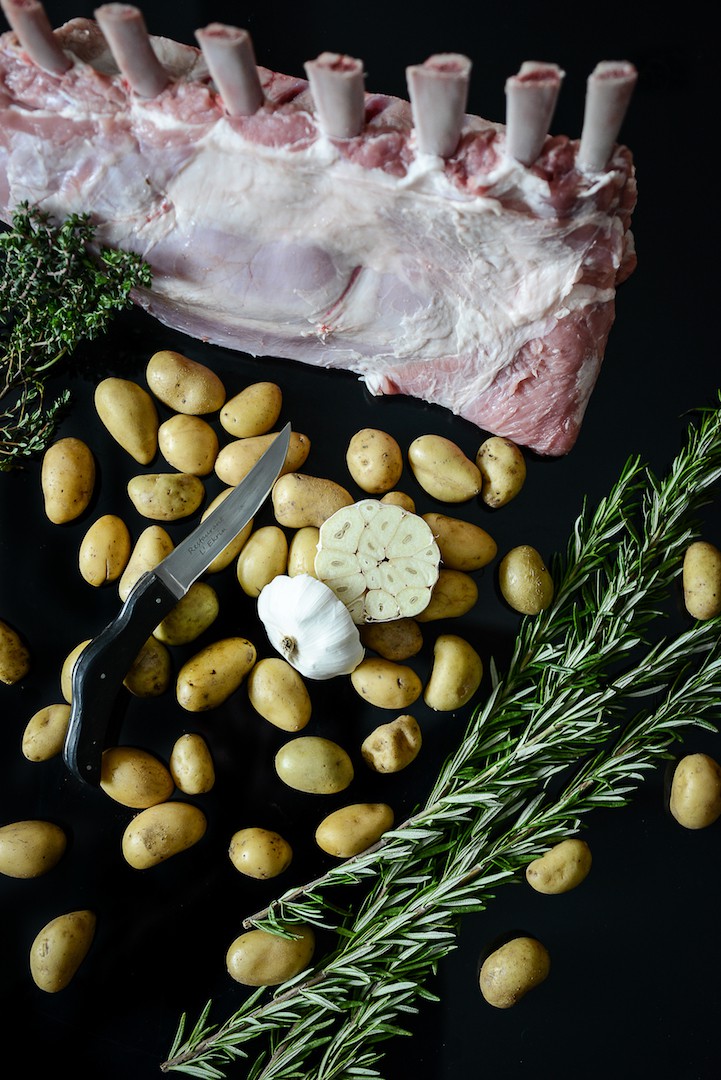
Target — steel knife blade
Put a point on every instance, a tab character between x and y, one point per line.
103	664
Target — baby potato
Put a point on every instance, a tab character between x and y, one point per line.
302	551
259	958
151	547
386	684
237	458
399	498
161	831
184	385
66	672
562	868
14	655
315	765
696	791
191	764
104	550
524	581
259	853
129	414
166	496
453	595
231	550
151	671
397	639
456	675
391	747
702	580
191	616
60	948
45	732
352	829
503	470
209	677
134	777
463	545
30	848
374	460
443	470
189	444
514	969
263	556
300	500
253	411
67	479
278	693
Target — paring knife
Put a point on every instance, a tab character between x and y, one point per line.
104	663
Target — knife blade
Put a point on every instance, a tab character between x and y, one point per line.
104	663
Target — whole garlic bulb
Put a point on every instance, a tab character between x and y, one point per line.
309	626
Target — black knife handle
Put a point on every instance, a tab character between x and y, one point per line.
101	668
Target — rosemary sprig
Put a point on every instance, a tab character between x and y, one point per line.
506	794
54	294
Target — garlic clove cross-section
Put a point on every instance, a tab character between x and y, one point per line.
379	559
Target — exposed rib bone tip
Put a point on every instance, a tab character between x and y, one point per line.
338	89
531	98
438	91
123	27
229	54
30	24
608	93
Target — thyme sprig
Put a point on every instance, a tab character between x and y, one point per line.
557	738
54	294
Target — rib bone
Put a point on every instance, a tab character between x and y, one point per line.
124	28
231	62
35	34
337	86
531	97
609	89
438	90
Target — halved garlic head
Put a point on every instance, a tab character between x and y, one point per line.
379	559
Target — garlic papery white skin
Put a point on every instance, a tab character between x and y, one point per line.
309	626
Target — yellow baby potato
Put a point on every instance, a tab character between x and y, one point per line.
398	639
60	948
14	655
237	458
161	831
45	732
189	444
524	581
232	550
511	971
259	853
67	479
191	764
391	747
302	551
386	684
259	958
151	547
129	414
352	829
696	791
253	411
184	385
443	470
456	674
151	672
503	470
399	498
702	580
277	691
453	595
191	616
166	496
209	677
374	460
463	545
104	550
315	765
66	672
562	868
134	777
30	848
263	556
300	500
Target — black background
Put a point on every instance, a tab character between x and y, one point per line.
634	988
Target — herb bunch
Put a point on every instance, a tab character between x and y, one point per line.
54	294
561	734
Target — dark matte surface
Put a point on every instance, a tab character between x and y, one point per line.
634	989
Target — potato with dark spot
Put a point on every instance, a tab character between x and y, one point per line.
191	616
524	581
259	853
374	460
386	684
560	869
60	948
253	411
397	639
104	550
300	500
184	385
67	479
503	470
14	655
512	970
162	831
702	580
191	764
392	747
166	496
